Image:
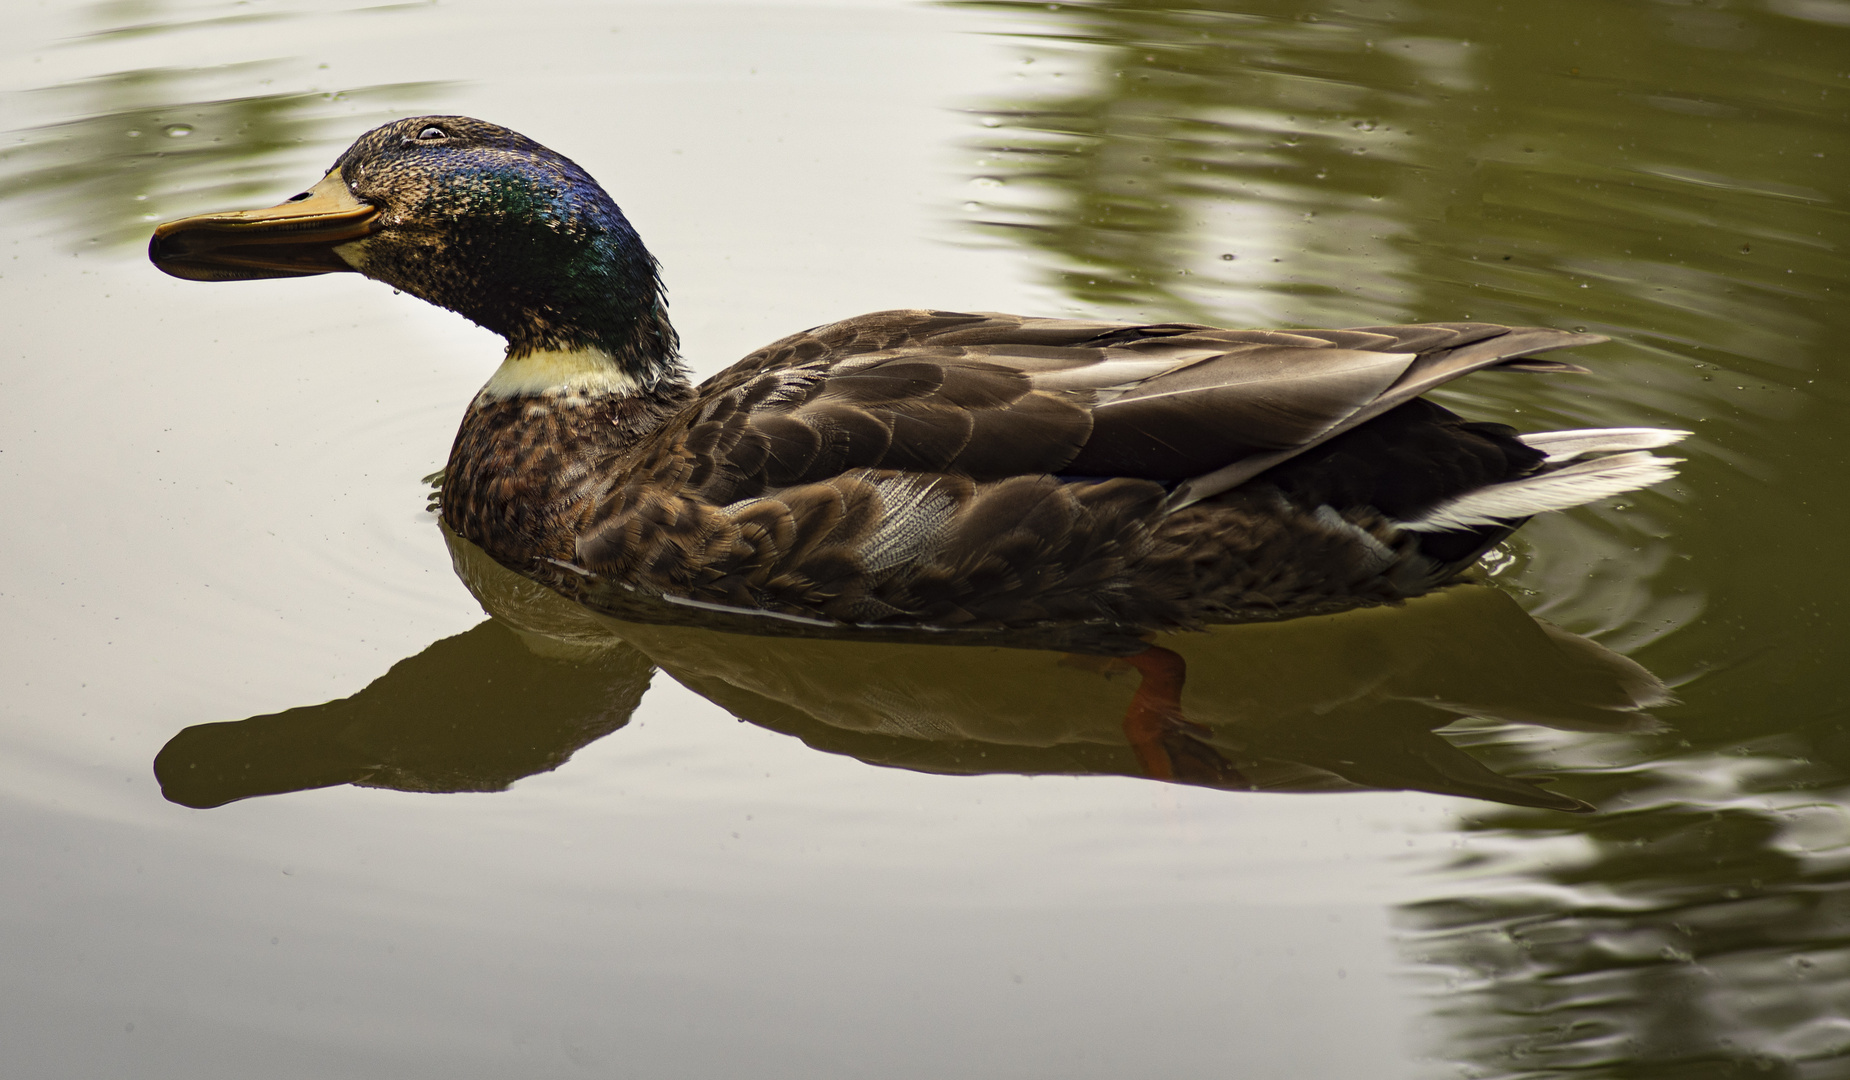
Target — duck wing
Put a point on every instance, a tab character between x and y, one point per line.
917	466
989	396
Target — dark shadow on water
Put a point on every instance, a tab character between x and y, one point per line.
474	712
1343	702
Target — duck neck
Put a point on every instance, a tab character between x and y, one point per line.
583	372
622	342
595	333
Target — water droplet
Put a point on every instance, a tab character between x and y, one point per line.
986	181
177	131
1227	258
973	207
1580	329
1745	248
990	121
133	134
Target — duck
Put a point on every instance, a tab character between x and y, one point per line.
917	475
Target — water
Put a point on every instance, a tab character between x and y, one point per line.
494	853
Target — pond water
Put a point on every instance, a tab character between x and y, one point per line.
437	844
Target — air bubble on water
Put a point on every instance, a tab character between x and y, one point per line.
134	134
1227	258
990	121
178	131
973	207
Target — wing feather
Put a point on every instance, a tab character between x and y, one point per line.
935	443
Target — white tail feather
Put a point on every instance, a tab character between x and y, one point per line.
1572	485
1567	445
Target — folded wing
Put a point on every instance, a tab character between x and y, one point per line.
990	396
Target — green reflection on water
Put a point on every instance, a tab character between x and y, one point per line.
120	19
132	148
1673	174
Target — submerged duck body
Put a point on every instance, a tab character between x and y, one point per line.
1044	482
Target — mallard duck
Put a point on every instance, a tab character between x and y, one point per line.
992	478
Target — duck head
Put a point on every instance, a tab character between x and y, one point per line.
469	216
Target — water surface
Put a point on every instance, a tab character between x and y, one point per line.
399	840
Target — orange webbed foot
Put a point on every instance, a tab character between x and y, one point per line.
1168	745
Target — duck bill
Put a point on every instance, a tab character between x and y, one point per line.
293	239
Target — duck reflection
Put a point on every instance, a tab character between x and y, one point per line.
1344	702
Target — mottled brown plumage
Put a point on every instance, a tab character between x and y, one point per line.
988	474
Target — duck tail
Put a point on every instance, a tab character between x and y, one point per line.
1568	445
1580	467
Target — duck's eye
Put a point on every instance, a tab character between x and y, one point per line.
432	133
